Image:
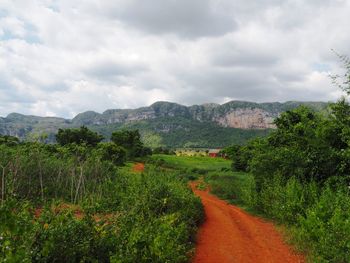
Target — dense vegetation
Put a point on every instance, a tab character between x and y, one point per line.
74	202
300	177
78	136
177	132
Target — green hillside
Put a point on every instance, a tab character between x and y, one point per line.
163	123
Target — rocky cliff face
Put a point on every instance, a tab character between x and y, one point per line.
234	114
247	119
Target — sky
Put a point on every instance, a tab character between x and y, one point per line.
63	57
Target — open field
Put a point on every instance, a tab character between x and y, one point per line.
195	162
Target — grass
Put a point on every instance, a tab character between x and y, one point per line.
189	162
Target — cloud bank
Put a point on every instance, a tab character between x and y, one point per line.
62	57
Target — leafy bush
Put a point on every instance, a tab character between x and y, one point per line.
79	136
112	152
64	238
131	141
144	217
325	229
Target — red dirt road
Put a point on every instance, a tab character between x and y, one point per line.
231	235
138	167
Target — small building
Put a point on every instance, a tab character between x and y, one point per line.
214	153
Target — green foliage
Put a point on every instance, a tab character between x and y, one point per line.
163	150
178	132
78	136
161	219
112	152
301	179
118	216
325	229
320	216
127	138
38	172
64	238
305	145
131	141
8	140
152	139
54	236
237	187
192	163
240	156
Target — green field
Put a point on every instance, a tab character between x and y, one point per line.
188	162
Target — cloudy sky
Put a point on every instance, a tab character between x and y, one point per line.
62	57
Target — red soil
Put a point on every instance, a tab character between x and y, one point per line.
77	212
138	167
231	235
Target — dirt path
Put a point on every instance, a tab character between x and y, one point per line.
138	167
231	235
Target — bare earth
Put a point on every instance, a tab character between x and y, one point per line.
231	235
138	167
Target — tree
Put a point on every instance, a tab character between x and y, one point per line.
78	136
9	140
112	152
343	82
305	145
130	140
127	138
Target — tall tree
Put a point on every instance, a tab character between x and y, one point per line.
79	136
131	141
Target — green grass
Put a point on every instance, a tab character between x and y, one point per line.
238	188
189	162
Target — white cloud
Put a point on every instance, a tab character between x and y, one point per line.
61	57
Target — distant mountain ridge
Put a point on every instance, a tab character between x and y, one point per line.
162	119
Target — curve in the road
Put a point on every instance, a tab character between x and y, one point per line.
231	235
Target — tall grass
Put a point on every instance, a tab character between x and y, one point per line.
238	188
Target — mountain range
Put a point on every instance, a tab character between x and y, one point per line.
167	124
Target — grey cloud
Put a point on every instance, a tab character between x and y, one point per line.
231	56
190	19
4	85
12	95
109	69
230	83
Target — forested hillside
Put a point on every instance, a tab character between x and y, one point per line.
166	124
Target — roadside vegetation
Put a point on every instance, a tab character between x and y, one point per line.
299	176
79	201
301	179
